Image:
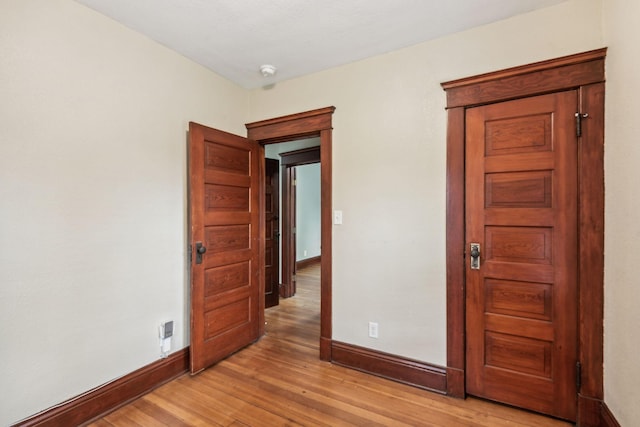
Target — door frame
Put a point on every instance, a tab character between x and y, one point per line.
314	123
583	72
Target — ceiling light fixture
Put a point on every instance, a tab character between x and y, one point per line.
268	70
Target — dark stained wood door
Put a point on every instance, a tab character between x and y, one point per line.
224	178
272	233
293	229
521	207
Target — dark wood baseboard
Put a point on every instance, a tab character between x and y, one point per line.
106	398
594	413
455	383
607	418
396	368
589	411
307	262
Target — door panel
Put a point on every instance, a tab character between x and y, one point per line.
224	217
521	207
272	233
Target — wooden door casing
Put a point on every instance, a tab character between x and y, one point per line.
521	207
298	126
585	73
272	233
224	202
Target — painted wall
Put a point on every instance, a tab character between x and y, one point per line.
308	211
93	228
389	167
622	228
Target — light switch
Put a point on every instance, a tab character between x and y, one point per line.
337	217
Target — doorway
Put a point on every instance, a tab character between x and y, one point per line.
289	157
315	123
583	73
291	161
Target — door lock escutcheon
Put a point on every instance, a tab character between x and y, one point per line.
475	256
200	250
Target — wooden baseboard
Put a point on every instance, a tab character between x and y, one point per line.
593	412
307	262
607	418
455	383
589	411
407	371
106	398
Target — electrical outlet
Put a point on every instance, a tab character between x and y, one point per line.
373	329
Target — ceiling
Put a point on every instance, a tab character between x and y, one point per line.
235	37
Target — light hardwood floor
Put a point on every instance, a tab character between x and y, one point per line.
279	381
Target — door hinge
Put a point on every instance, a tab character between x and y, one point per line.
190	253
579	116
578	376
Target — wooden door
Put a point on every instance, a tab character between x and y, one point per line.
288	288
224	178
272	233
293	231
521	207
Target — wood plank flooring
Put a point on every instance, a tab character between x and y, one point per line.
279	381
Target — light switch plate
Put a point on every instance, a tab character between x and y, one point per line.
337	217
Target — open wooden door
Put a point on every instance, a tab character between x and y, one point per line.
224	203
522	249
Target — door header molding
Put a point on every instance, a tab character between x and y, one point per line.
291	127
527	80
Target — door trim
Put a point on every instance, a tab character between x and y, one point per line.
584	72
312	123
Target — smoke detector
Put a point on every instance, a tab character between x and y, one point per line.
268	70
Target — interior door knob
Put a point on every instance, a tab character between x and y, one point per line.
200	250
475	256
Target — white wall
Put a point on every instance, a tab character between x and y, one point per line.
308	233
389	167
93	122
622	228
